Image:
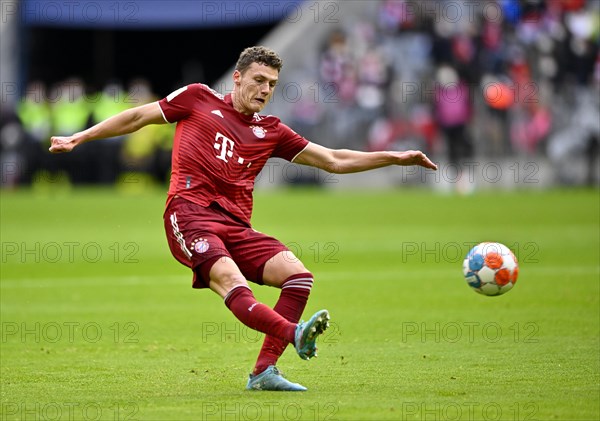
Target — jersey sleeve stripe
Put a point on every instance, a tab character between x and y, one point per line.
296	156
175	93
162	113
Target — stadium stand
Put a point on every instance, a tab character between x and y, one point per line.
511	84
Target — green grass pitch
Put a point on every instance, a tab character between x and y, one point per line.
98	321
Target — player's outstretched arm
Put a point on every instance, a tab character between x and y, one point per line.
125	122
344	161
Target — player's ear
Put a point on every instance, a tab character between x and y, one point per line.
237	75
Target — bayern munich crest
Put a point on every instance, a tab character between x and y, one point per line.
200	245
259	131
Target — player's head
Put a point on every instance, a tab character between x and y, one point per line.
255	76
260	55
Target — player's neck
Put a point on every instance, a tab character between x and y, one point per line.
238	107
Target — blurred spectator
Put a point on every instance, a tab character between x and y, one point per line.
498	93
101	161
396	15
35	117
452	105
146	152
373	82
531	128
110	101
337	86
34	112
337	67
70	109
71	112
464	54
306	108
577	141
14	165
453	113
491	46
418	131
582	48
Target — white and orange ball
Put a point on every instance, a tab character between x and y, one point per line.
491	268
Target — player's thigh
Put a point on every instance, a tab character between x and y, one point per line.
263	259
280	267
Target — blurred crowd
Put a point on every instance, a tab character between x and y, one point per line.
461	80
493	79
71	106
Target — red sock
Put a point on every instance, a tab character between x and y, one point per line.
294	295
258	316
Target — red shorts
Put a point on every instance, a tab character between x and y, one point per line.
198	236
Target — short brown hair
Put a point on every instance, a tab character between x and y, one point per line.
258	54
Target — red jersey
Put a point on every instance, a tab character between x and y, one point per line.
218	152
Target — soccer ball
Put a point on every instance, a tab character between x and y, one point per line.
491	268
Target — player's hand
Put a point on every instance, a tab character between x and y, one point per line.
61	144
417	158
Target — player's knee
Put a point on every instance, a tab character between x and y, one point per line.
226	282
226	274
296	267
230	279
281	267
292	270
289	263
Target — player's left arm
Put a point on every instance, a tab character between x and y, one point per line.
344	161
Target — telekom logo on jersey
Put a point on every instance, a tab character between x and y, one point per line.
225	145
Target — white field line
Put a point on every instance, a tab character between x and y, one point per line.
371	274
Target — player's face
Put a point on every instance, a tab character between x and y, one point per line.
253	88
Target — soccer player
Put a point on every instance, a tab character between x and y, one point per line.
220	145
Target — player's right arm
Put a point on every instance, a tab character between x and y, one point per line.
125	122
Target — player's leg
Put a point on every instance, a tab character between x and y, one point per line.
284	271
226	279
264	259
191	233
